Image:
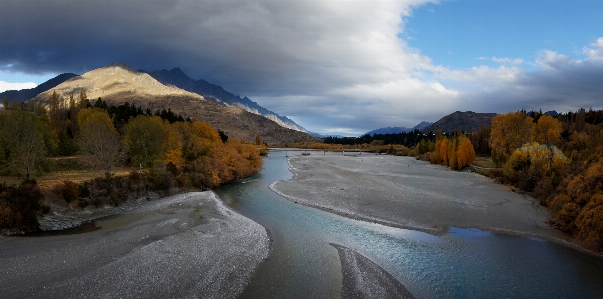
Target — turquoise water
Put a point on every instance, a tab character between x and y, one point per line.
464	263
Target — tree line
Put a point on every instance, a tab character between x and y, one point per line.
407	139
560	161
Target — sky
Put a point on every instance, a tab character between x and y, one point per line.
334	67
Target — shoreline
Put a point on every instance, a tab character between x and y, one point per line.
299	191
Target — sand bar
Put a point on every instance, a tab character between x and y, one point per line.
408	193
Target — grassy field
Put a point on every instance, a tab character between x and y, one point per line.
484	162
485	166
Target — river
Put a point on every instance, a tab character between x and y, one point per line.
463	263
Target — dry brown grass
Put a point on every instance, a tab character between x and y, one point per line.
484	162
486	167
47	181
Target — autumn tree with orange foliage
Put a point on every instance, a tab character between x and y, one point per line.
213	162
172	144
456	152
561	162
464	152
578	209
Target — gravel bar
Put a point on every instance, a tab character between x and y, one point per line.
184	246
407	193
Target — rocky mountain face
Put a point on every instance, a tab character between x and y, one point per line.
27	94
217	94
118	83
465	120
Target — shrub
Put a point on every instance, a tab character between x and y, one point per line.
19	206
83	190
70	191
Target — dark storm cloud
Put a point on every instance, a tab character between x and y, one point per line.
332	66
245	44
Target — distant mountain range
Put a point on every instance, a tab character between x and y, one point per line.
465	120
29	93
325	136
177	78
118	83
217	94
468	120
552	113
397	130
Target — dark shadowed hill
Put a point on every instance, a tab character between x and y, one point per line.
29	93
465	120
217	94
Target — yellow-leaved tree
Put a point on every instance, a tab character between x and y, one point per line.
465	152
509	131
530	163
547	130
456	152
172	144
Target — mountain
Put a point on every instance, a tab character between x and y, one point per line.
389	130
325	136
422	125
397	130
217	94
464	120
118	83
29	93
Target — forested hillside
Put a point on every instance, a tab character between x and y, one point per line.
165	150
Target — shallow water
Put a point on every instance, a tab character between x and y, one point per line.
464	263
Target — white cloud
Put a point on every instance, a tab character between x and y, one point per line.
4	86
483	75
595	50
516	61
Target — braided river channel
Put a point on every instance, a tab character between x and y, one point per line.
463	263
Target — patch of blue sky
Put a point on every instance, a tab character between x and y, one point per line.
463	34
12	77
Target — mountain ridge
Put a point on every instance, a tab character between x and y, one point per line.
29	93
118	83
217	94
468	120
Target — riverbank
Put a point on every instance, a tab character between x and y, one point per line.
187	245
406	193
